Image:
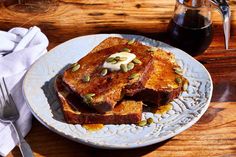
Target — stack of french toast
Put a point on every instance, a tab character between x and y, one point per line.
111	84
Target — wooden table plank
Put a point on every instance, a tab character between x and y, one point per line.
213	135
76	18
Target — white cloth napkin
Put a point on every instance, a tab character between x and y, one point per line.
19	49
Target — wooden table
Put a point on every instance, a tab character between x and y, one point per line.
213	135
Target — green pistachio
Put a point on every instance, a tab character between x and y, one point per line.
137	61
114	61
185	86
134	76
88	98
123	68
75	67
126	50
178	70
110	59
178	80
86	78
142	123
150	120
152	49
130	42
104	72
130	66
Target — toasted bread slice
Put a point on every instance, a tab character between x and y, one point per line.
161	86
126	112
108	89
156	84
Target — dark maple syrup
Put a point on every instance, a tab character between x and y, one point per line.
191	32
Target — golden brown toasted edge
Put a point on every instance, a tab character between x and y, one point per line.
106	43
126	112
160	96
164	96
107	103
109	42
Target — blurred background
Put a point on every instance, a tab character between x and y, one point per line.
72	18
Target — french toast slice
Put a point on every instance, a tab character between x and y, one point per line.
125	112
161	86
156	84
108	89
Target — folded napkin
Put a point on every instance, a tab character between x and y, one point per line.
19	49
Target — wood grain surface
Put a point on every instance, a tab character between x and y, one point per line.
60	20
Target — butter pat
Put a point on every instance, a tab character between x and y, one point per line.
116	67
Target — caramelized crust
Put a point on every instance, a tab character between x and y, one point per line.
108	89
155	85
160	87
75	112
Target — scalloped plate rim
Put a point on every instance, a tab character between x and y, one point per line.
82	141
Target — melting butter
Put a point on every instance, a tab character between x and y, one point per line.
116	67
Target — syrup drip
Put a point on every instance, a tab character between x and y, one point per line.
93	127
163	109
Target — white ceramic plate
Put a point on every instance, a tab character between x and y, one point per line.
42	100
